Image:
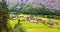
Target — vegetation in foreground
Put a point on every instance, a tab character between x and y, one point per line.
4	15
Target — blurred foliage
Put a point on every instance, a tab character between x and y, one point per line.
40	10
4	16
19	28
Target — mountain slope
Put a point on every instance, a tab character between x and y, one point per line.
51	4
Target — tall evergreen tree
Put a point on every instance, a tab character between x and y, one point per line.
3	16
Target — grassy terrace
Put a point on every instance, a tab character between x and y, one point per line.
33	27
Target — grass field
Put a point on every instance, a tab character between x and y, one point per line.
33	27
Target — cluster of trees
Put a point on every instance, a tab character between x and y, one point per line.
41	10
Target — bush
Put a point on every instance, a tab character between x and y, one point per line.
19	28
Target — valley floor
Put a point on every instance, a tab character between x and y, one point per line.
33	27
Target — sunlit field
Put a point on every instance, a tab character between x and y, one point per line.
33	27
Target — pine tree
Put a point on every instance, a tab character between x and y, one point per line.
3	16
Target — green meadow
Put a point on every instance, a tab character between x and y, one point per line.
33	27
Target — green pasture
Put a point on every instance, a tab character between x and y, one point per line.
33	27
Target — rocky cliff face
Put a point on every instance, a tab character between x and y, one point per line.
51	4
